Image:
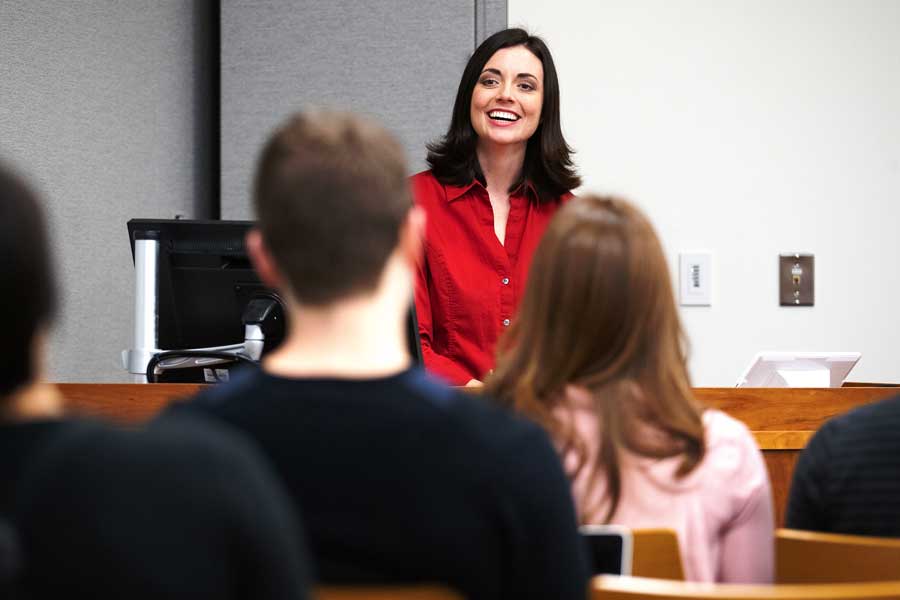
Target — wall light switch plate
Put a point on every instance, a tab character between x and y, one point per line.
796	279
695	278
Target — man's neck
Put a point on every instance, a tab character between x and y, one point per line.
355	338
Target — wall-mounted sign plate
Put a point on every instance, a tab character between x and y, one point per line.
796	279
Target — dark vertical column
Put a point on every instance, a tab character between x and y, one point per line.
215	120
206	202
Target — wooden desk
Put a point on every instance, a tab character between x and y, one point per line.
781	419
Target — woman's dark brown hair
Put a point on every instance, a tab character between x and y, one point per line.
548	162
599	313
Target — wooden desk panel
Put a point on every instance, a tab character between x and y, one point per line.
782	419
123	403
789	409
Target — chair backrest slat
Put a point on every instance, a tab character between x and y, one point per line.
656	554
811	557
610	587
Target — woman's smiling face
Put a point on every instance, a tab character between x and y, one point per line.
507	100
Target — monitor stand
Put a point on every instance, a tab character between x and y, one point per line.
146	311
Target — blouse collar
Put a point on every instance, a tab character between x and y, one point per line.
454	192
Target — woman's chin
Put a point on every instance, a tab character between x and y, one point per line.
499	139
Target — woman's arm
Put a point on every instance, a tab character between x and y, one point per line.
748	545
748	542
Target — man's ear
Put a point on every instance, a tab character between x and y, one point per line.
262	260
412	236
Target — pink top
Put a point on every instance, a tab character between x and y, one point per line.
722	510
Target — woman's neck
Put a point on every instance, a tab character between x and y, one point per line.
501	165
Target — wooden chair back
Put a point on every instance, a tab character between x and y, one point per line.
610	587
656	554
810	557
391	592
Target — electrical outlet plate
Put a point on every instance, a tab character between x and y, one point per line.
695	278
796	279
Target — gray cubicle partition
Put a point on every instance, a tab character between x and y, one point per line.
104	106
398	61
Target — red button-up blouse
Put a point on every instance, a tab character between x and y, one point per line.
469	284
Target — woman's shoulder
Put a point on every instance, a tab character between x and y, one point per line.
722	430
423	177
425	187
732	455
425	180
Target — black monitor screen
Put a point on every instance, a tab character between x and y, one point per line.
205	280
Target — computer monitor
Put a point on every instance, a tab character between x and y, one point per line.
202	284
798	369
204	280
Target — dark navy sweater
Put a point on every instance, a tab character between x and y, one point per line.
402	479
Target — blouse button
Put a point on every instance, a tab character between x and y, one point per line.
505	280
506	322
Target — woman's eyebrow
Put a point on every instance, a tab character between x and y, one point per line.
526	76
492	71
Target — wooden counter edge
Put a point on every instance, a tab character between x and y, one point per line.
782	440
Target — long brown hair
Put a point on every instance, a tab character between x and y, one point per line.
599	313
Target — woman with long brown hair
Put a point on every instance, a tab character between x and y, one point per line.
596	356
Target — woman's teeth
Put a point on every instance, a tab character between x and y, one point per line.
502	115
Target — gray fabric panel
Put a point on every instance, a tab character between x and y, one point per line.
490	17
398	61
98	107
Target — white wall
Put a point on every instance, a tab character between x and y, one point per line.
748	128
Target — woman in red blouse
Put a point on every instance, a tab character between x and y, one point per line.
497	178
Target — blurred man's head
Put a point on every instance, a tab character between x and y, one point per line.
27	286
331	198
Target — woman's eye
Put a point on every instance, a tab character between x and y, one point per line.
489	81
527	87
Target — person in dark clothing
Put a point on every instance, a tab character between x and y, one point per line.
30	410
178	510
182	510
399	478
847	479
